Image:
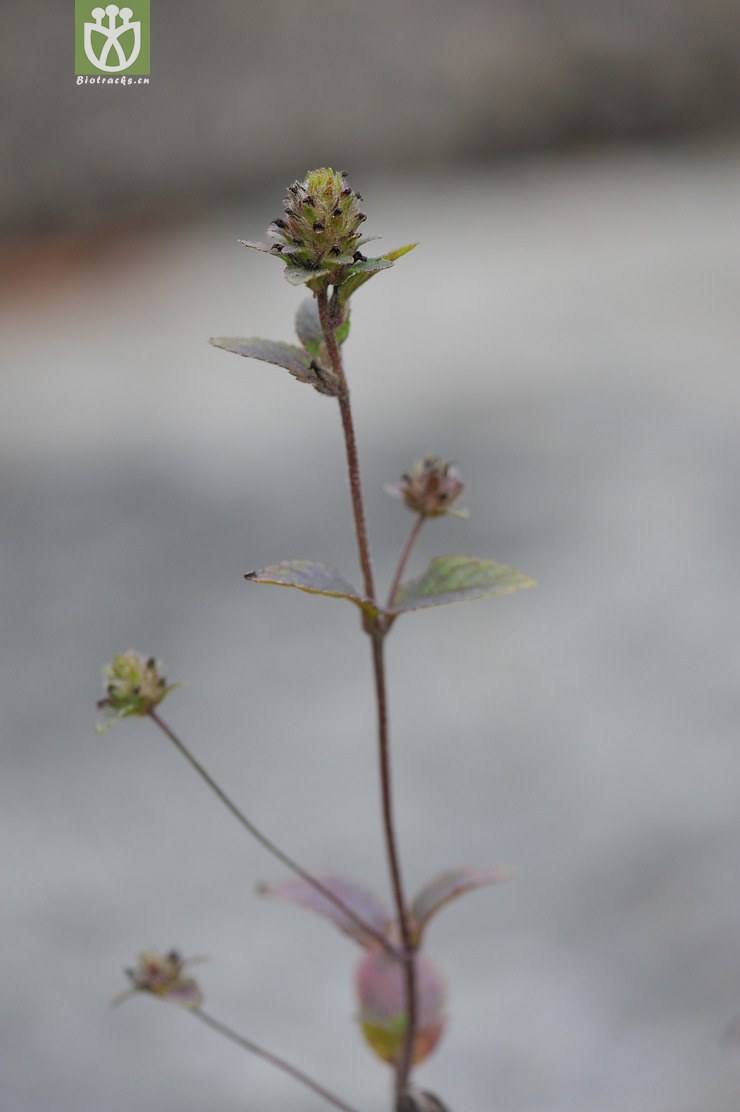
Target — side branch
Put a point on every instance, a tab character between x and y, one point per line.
264	841
273	1059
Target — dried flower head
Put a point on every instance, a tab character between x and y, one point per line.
318	234
134	685
431	488
163	975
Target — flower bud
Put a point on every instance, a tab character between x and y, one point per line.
163	975
381	994
134	686
431	489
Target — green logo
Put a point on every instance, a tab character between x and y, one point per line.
112	41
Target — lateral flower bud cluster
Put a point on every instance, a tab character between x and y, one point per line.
134	685
164	975
431	488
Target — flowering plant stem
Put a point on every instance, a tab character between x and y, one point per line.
377	629
273	1059
263	840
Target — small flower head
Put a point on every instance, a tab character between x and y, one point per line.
134	685
318	235
163	975
431	488
320	225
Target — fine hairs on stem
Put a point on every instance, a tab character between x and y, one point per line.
401	995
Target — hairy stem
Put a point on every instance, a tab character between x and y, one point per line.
403	1068
350	443
264	840
266	1056
376	630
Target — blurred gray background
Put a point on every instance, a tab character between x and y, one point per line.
568	331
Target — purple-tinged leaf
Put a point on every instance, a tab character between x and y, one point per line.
448	886
290	356
294	359
455	579
311	576
364	903
381	998
187	994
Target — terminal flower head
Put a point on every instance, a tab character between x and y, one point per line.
163	975
134	685
431	488
318	235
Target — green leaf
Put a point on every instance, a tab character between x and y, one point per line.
456	578
368	266
364	903
399	252
294	359
297	274
448	886
342	331
359	273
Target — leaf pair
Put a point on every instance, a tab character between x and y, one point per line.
446	579
437	892
310	363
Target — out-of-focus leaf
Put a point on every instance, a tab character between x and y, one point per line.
308	327
455	579
448	886
108	718
381	996
294	359
342	331
187	994
364	903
